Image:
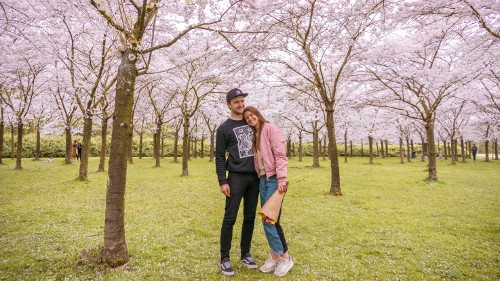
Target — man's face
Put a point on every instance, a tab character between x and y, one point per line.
237	105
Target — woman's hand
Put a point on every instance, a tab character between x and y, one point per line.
282	187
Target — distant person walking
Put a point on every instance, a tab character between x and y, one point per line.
74	150
79	152
474	152
234	141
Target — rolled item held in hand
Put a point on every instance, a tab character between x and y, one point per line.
273	205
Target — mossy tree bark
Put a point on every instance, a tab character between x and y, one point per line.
431	149
12	143
84	158
370	148
1	132
463	149
115	247
345	147
300	146
408	152
67	156
37	151
316	148
140	144
185	147
401	151
104	136
19	151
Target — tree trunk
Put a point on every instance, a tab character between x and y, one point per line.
176	145
157	143
162	145
495	147
202	143
386	148
115	247
333	153
37	152
401	151
408	152
67	158
300	146
345	149
469	152
412	147
452	152
486	150
466	144
84	158
370	147
382	149
104	133
424	150
324	148
185	147
130	147
362	153
456	150
12	145
431	151
140	144
189	148
449	149
1	137
19	145
445	150
320	146
463	149
376	146
212	146
315	149
289	148
351	148
195	148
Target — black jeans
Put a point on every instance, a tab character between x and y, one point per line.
246	186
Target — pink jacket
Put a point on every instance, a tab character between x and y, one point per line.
272	148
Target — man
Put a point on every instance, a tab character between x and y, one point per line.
234	137
474	152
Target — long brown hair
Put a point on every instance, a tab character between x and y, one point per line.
256	132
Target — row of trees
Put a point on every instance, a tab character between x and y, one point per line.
397	71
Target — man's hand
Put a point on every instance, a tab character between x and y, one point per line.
225	189
282	187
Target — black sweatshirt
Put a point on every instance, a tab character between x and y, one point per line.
235	137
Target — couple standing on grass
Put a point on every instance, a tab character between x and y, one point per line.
256	163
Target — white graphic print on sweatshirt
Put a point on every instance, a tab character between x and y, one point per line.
244	137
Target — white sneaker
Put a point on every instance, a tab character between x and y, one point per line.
283	266
269	265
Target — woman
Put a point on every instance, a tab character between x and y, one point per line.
270	164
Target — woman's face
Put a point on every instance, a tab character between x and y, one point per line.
251	119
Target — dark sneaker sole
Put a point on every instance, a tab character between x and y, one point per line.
230	273
252	266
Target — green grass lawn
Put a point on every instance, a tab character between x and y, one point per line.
391	224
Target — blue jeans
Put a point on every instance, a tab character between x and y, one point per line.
274	232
